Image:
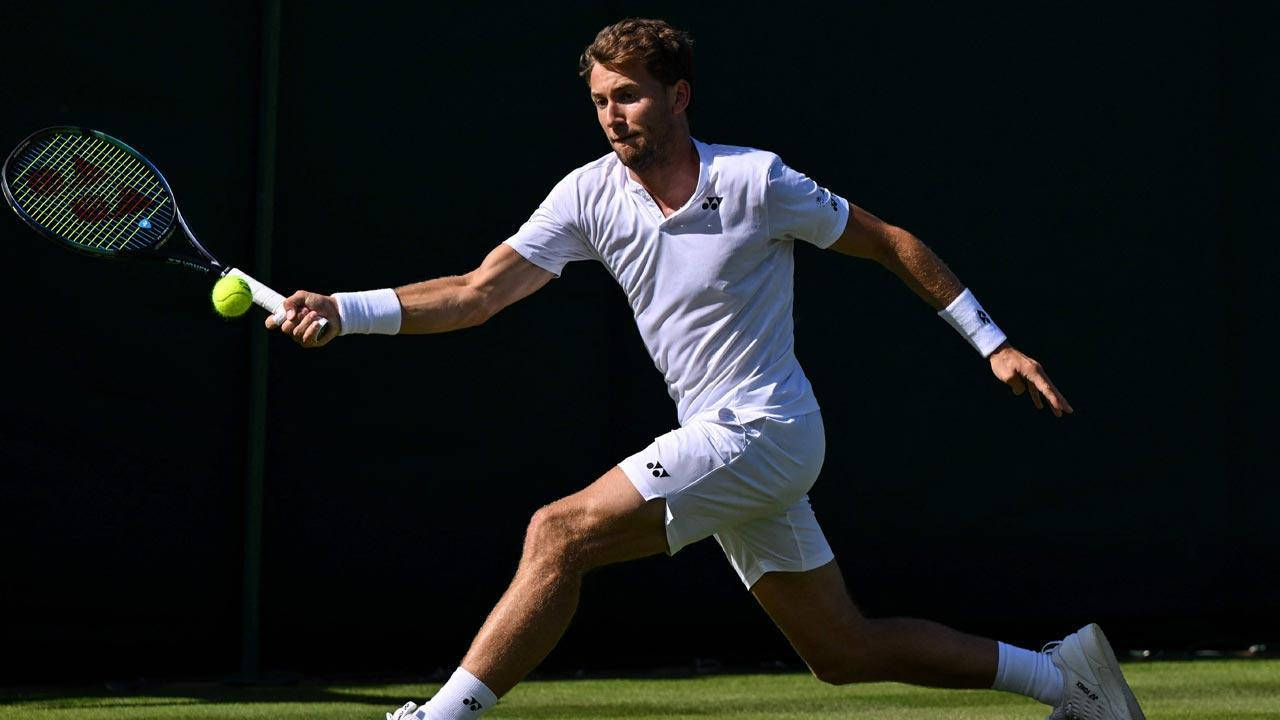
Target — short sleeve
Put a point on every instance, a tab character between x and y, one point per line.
552	237
800	209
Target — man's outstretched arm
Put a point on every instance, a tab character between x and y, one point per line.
866	236
430	306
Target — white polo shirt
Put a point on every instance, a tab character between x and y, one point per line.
710	286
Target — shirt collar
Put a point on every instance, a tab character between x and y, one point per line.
704	171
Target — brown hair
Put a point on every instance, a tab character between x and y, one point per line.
667	53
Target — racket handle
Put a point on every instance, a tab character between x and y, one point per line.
271	301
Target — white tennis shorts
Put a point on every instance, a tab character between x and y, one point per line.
744	483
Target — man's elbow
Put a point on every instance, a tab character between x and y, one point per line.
891	244
870	238
478	305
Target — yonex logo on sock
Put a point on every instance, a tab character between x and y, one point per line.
472	704
983	317
712	202
1088	693
658	470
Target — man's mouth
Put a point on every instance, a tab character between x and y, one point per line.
625	138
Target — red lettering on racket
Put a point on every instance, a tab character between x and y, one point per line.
87	172
91	208
131	202
45	181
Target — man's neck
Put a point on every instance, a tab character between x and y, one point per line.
672	184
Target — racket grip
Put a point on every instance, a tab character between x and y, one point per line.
271	301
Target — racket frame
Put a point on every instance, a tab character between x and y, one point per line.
202	260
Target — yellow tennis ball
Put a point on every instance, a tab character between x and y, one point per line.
231	296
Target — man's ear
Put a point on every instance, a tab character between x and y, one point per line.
680	95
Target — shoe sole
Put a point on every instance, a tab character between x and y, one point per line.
1099	650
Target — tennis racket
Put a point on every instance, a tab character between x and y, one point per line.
90	192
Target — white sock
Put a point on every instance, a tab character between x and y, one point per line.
464	697
1029	673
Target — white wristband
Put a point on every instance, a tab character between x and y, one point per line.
970	320
371	312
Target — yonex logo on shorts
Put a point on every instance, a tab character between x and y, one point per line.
658	470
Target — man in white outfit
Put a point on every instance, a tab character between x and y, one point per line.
700	237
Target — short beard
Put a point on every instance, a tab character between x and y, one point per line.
652	154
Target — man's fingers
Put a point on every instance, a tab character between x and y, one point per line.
1035	396
312	335
1025	374
307	332
300	318
1050	391
306	319
295	303
1018	386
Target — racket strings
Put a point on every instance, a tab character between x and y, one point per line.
75	171
105	163
50	180
86	206
92	193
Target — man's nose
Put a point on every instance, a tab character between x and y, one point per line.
613	114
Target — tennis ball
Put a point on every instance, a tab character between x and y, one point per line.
231	296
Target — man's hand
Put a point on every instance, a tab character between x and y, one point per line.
1022	374
301	311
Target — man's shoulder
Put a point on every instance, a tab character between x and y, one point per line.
739	158
586	185
602	168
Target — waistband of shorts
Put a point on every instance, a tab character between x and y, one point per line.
742	416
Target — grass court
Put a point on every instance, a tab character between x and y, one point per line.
1200	690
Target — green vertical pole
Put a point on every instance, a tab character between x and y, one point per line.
249	648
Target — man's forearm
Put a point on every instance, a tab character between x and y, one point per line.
916	265
440	305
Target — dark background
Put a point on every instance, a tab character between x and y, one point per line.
1101	177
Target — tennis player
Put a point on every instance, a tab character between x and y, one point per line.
700	237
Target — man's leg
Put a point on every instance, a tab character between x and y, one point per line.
606	522
813	609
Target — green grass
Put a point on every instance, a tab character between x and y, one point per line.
1207	690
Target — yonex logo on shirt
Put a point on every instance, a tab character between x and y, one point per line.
826	198
658	470
712	202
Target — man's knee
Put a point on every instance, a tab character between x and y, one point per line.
605	523
556	537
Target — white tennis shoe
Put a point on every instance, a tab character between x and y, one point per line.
410	711
1093	688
